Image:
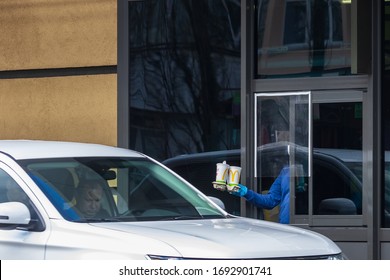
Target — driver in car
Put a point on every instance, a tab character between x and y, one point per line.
89	195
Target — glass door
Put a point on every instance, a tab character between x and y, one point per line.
283	157
337	186
309	160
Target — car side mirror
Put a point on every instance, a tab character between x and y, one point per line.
337	206
14	213
217	201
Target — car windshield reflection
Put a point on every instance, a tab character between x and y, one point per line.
337	176
118	189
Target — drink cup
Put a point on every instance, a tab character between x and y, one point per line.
222	173
234	178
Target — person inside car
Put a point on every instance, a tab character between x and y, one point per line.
89	196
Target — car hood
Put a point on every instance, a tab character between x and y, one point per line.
233	238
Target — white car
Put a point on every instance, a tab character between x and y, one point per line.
145	211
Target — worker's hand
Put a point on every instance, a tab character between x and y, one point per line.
241	191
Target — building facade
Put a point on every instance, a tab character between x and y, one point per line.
189	77
58	70
201	76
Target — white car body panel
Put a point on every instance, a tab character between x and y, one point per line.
27	149
231	238
226	238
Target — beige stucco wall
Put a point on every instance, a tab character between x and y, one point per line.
79	108
51	34
57	33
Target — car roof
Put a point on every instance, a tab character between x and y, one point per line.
204	156
345	155
33	149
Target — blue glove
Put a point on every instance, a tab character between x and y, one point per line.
241	191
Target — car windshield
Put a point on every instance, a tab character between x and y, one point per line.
117	189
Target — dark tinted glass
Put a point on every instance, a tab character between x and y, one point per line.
184	76
113	189
336	189
386	114
302	38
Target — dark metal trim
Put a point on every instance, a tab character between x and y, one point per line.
123	108
58	72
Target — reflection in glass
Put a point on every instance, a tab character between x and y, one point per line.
303	38
282	140
337	158
385	102
184	76
10	191
282	144
125	189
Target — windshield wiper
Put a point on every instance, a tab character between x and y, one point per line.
96	220
183	217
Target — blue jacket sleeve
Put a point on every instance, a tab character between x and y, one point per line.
272	198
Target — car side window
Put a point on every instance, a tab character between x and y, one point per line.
10	191
334	193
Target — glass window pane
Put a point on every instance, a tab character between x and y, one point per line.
386	196
337	158
282	161
302	38
282	141
10	191
184	76
386	115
